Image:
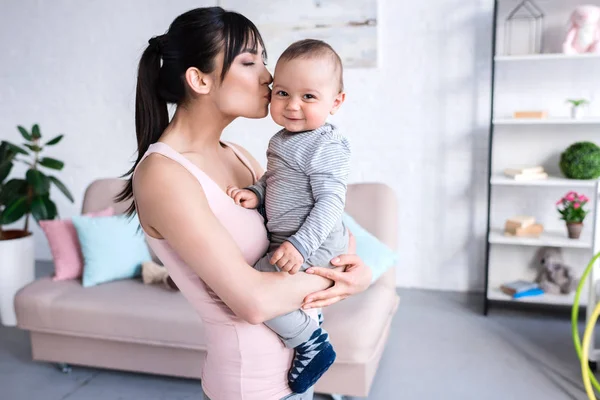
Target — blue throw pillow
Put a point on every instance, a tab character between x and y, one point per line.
112	248
374	253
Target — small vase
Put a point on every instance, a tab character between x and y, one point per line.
576	112
574	229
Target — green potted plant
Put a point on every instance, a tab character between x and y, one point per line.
21	198
581	160
577	107
570	207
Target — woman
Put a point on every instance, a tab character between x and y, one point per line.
210	64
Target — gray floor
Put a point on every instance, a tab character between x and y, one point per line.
441	347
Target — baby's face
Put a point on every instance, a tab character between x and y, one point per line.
305	92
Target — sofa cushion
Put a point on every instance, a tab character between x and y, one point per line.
130	311
64	245
113	248
124	310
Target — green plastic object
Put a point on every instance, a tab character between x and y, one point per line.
581	160
575	317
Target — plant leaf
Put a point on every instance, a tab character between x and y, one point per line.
33	147
61	186
24	133
55	140
39	209
39	181
51	207
14	211
5	170
16	148
52	163
35	132
12	190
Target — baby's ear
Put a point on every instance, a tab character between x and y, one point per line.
337	103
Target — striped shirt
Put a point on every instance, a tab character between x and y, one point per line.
304	187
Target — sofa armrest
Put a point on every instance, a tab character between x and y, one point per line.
375	207
101	193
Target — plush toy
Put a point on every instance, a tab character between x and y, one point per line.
583	35
154	273
554	276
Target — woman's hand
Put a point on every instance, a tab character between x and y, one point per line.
355	279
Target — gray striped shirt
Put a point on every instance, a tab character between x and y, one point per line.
304	187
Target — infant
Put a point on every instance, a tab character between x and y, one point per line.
303	191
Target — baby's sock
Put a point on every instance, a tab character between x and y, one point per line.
312	359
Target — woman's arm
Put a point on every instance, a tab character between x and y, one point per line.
171	202
352	276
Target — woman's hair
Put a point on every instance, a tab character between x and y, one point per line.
193	40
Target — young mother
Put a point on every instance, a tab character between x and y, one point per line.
210	64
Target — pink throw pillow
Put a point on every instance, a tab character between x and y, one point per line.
65	247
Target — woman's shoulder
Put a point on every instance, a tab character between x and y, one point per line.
158	180
258	169
155	170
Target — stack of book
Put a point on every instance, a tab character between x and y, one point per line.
519	289
522	225
526	173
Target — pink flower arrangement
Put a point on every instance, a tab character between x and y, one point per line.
570	207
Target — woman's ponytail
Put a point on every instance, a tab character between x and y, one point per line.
151	113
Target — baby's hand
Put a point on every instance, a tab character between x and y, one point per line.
287	258
243	197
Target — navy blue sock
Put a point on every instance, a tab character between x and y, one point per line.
312	359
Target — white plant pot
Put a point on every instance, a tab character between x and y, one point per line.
576	112
17	269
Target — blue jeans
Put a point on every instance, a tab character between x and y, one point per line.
308	395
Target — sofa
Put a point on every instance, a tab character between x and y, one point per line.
129	326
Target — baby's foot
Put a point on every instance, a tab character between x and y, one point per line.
312	359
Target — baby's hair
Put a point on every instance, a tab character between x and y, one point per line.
312	48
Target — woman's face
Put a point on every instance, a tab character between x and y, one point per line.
245	90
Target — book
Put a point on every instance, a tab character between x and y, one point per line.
533	114
518	286
524	170
529	176
534	230
528	293
519	221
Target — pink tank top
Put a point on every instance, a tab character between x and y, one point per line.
243	361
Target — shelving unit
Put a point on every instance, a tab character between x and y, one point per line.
547	121
556	181
538	81
546	57
545	299
549	238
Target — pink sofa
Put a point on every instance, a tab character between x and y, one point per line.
126	325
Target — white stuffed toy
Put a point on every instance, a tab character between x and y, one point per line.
584	31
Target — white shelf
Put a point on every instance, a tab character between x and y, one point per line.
548	238
547	121
551	299
547	57
501	180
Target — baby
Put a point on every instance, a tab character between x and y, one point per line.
303	191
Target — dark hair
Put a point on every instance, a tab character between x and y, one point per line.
311	48
193	40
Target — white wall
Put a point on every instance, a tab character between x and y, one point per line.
419	122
